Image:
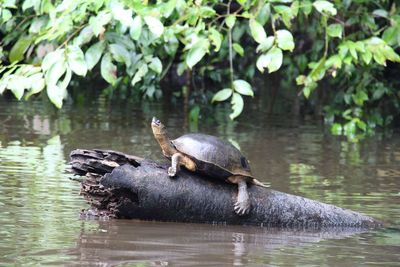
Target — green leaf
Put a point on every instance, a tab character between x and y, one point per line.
350	128
264	13
31	3
306	7
380	13
306	91
197	52
379	57
84	37
222	95
97	23
122	15
271	60
300	79
180	69
113	37
216	38
37	83
17	85
51	58
155	25
361	125
318	70
156	65
295	6
352	48
373	41
37	24
390	54
257	31
325	7
76	60
55	72
28	70
336	129
360	97
366	57
136	28
262	62
9	3
93	54
359	46
286	14
334	61
285	40
266	44
347	100
120	54
238	48
194	115
3	85
167	8
143	69
335	30
5	15
237	105
391	35
108	69
242	87
18	50
230	21
56	94
309	87
67	78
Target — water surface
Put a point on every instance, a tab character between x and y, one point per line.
40	205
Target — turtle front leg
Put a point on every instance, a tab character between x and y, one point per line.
179	159
242	204
175	164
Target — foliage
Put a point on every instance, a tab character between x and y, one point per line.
47	44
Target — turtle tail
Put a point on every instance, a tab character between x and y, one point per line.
258	183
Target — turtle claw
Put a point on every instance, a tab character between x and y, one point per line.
171	172
242	208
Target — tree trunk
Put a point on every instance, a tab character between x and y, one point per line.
124	186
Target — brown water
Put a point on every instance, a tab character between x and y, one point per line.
40	206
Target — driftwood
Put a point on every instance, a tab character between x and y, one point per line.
118	185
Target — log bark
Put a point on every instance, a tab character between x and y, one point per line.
118	185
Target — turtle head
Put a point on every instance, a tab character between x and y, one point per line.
157	127
160	133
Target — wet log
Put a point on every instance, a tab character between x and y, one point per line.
118	185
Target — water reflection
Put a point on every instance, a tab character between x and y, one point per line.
152	243
37	202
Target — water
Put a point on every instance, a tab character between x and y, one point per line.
40	206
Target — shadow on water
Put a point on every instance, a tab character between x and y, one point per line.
40	205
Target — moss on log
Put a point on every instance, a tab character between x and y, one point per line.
123	186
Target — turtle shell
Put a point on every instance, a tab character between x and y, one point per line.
213	156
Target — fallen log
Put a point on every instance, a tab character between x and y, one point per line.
118	185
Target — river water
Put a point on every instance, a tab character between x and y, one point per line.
40	205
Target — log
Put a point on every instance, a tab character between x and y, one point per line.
118	185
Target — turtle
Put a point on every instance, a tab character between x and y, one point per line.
208	155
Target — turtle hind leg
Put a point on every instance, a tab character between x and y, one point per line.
258	183
242	204
179	159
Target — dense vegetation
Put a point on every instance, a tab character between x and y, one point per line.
346	49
